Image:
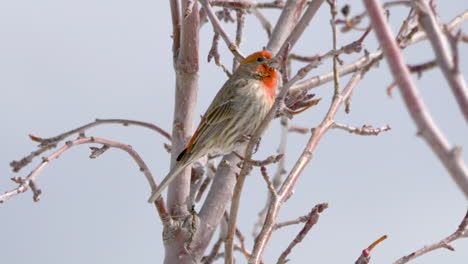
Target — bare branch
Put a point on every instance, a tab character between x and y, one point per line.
313	217
239	31
29	181
300	219
213	53
241	239
420	68
336	76
263	20
286	188
219	28
444	56
289	16
176	26
364	258
210	258
210	173
186	68
260	163
461	232
218	198
248	5
370	58
296	33
270	186
279	103
413	100
351	23
365	130
50	143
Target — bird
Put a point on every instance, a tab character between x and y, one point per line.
234	114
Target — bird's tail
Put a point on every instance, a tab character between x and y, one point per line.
168	179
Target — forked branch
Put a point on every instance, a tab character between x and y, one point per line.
50	143
30	180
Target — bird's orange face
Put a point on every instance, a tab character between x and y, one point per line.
269	76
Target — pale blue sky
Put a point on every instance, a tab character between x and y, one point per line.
64	63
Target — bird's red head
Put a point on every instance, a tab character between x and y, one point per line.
269	76
257	56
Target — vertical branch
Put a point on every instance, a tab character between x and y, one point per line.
314	5
216	202
336	76
239	31
287	21
175	14
185	102
428	130
444	56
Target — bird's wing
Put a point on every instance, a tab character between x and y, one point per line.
214	120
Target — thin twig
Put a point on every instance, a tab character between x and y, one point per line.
351	23
210	173
365	130
213	53
50	143
278	176
241	239
263	20
29	181
219	28
299	129
240	18
270	186
336	76
365	257
420	68
353	47
210	258
300	219
405	25
461	232
371	58
313	217
248	5
444	56
259	163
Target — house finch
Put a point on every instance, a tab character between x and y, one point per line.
236	111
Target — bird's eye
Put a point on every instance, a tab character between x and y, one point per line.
260	59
